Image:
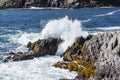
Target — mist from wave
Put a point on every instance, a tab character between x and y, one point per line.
63	28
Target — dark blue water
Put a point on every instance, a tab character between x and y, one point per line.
13	22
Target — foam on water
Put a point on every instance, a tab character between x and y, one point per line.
107	14
87	20
64	28
37	69
41	68
24	37
109	28
44	8
102	29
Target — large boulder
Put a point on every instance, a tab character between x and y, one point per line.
39	48
104	51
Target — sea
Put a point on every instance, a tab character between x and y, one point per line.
20	26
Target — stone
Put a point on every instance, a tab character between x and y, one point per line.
39	48
102	50
72	53
81	67
45	47
11	4
58	3
80	77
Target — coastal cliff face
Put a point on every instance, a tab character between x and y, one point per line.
11	4
58	3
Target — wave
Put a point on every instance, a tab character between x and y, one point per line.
32	7
87	20
64	28
97	30
107	14
107	28
24	37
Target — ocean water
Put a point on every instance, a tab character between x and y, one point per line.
18	27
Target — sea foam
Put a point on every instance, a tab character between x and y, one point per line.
64	28
37	69
107	14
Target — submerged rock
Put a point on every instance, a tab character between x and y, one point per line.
40	48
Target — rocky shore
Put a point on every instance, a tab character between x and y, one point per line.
5	4
95	57
39	48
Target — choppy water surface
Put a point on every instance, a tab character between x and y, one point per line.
18	27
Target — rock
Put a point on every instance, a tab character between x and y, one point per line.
61	65
102	45
80	77
80	66
58	3
64	79
103	50
40	48
45	47
19	56
72	53
11	4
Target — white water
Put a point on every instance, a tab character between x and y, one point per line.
41	68
23	38
107	14
37	69
87	20
101	29
32	7
109	28
64	28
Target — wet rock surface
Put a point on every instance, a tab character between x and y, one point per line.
45	46
95	57
72	53
39	48
101	50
